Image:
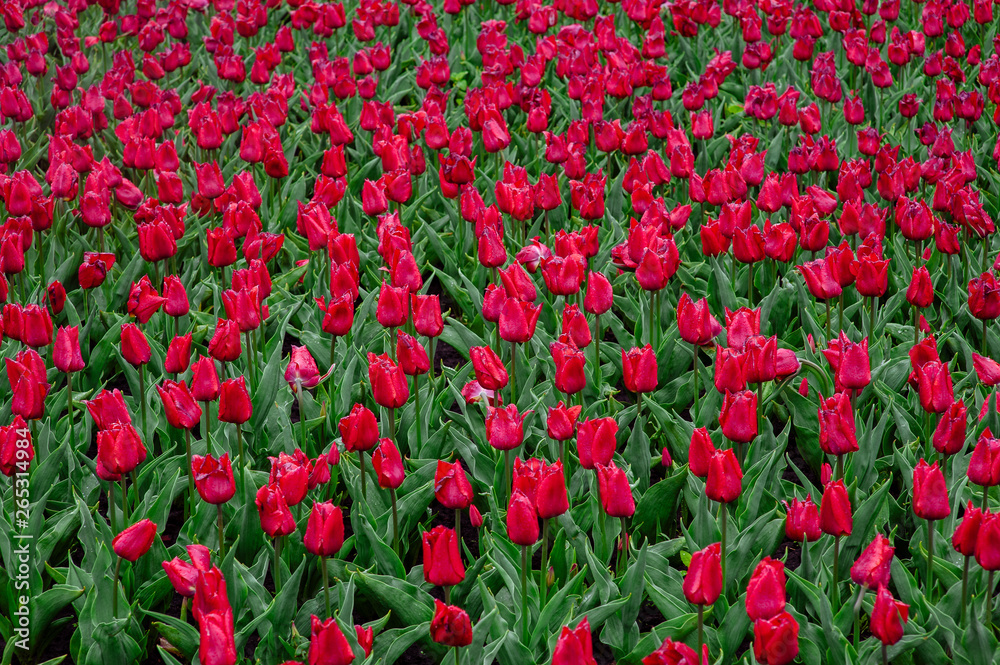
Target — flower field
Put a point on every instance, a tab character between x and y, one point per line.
499	333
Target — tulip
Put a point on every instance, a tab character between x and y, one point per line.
724	477
574	646
676	653
887	618
504	428
388	383
703	580
766	590
836	520
701	450
695	322
836	428
964	541
570	377
27	377
451	487
616	494
225	345
184	576
66	352
934	387
802	520
872	568
949	435
217	644
776	639
450	626
596	441
178	355
327	643
639	370
16	449
490	371
561	422
129	545
738	417
213	478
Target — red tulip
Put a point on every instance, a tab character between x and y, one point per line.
639	369
934	387
275	517
302	371
522	520
213	478
703	580
179	405
738	416
178	355
616	494
234	401
451	488
695	322
450	626
225	345
836	425
570	377
426	315
327	643
135	540
134	347
596	441
835	516
802	520
930	493
888	617
359	429
776	640
324	530
291	474
205	385
984	297
873	567
66	352
766	590
561	422
675	653
490	371
388	382
574	646
599	296
388	465
920	293
725	477
967	532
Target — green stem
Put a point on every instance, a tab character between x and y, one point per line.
395	521
701	626
190	471
326	586
458	528
597	351
988	616
507	475
543	582
513	373
276	573
118	568
696	389
836	571
857	616
302	419
361	470
142	397
419	423
222	534
965	589
524	594
724	514
930	558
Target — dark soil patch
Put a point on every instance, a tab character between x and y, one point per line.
445	355
791	551
649	617
415	656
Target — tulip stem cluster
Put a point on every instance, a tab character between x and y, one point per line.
524	594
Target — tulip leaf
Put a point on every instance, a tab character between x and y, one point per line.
179	634
391	644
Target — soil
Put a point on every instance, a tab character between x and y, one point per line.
446	355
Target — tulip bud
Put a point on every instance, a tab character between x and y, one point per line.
359	429
776	640
522	520
275	517
967	532
724	482
451	488
442	559
66	353
930	493
388	465
615	492
835	516
873	567
766	590
135	541
703	580
324	530
888	617
213	478
327	643
450	626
